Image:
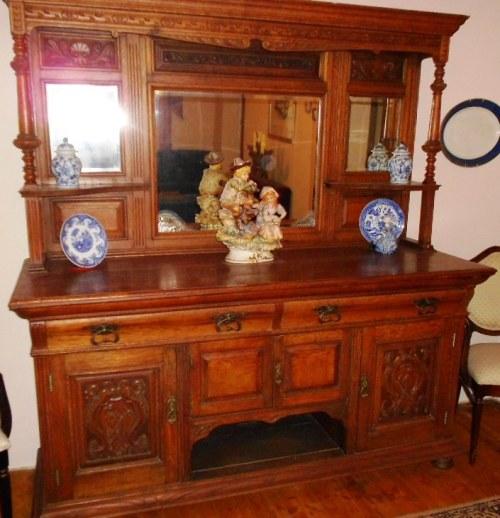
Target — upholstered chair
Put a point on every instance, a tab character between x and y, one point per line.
480	371
5	427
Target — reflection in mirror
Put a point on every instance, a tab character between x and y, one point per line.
90	117
372	120
278	134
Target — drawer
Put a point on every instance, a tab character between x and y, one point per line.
318	313
172	326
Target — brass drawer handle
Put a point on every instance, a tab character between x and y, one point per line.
228	322
363	386
278	373
427	306
172	410
328	313
104	334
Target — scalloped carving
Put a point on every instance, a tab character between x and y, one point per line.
234	34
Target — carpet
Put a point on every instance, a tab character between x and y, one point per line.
487	508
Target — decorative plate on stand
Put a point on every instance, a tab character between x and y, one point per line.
84	240
381	218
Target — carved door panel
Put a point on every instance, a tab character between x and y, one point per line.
118	411
312	368
403	383
230	375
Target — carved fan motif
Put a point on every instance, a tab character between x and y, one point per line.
116	416
60	51
406	382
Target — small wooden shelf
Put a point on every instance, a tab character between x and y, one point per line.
53	191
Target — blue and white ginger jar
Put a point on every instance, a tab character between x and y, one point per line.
66	166
400	165
377	159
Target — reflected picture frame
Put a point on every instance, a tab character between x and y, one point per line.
470	133
282	114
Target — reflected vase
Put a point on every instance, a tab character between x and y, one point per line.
377	160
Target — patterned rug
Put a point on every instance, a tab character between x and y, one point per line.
488	508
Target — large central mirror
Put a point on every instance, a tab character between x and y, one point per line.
278	134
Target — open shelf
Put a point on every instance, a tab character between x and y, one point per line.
380	186
249	445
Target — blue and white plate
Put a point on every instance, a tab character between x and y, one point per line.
83	240
381	218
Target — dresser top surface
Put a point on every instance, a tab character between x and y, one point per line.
130	284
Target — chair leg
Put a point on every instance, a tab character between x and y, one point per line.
5	489
477	411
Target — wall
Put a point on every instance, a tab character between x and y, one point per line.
467	206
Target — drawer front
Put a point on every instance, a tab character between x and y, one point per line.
174	326
324	313
230	376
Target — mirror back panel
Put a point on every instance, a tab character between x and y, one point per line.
145	101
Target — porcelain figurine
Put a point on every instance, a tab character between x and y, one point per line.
400	165
211	186
377	160
270	214
249	228
66	166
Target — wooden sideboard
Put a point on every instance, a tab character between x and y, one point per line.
166	375
150	371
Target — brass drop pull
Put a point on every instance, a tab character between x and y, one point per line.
328	313
278	373
172	410
104	334
228	322
363	386
427	306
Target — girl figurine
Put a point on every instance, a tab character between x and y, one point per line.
270	214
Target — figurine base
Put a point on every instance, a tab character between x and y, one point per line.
242	256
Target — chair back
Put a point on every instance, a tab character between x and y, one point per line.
484	307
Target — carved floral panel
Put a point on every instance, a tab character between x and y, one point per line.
384	67
116	418
175	55
407	380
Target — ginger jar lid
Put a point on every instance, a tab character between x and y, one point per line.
65	149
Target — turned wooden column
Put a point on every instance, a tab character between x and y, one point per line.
432	148
27	142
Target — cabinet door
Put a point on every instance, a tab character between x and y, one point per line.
405	383
110	422
230	375
312	368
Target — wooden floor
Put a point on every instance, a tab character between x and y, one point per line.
384	493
